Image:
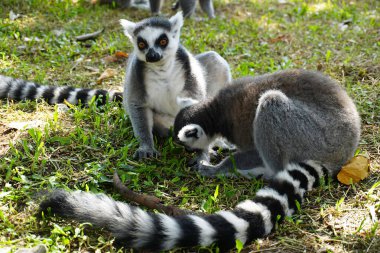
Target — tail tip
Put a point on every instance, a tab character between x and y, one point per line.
54	203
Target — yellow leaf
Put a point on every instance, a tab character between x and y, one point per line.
354	170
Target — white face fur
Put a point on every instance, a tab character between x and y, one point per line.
193	136
154	43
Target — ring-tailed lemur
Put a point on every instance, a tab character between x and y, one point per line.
279	121
18	89
274	119
187	6
161	74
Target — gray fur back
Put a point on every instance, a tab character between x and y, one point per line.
288	116
217	71
302	115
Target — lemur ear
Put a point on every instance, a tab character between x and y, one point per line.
128	27
186	102
177	21
190	133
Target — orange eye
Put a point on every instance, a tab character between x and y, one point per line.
163	42
141	45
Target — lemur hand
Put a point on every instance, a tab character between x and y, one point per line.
146	152
206	169
200	156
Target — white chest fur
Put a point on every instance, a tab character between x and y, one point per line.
162	85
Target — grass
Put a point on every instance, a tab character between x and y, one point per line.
80	148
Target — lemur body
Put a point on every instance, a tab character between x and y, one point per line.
18	89
274	120
161	74
279	121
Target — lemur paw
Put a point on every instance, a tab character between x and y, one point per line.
144	153
223	144
202	156
206	169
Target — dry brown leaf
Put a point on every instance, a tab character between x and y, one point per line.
110	59
354	170
121	55
106	74
280	38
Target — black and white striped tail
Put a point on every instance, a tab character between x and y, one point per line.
18	89
136	228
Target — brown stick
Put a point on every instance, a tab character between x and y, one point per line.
89	36
148	201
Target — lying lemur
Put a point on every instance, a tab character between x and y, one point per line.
296	127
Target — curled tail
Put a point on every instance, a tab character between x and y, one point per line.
136	228
19	89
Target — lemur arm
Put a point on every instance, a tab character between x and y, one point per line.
142	123
247	163
140	115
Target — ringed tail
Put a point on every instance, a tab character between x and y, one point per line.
20	90
138	229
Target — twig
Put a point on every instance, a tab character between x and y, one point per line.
148	201
89	36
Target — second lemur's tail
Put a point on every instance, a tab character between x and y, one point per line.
136	228
18	89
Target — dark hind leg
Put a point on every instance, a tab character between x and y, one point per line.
285	131
155	6
207	6
188	7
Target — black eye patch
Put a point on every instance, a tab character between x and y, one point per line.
141	43
162	41
192	133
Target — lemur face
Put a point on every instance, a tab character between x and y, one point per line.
193	137
154	39
186	131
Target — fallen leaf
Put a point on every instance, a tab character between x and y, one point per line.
106	74
354	170
110	59
120	54
283	37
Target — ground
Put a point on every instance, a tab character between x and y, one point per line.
44	147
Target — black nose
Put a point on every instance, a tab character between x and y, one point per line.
152	56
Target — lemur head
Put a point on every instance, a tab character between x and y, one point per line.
155	38
188	130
